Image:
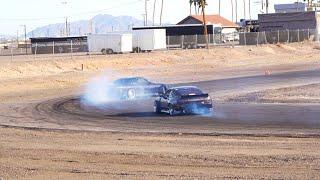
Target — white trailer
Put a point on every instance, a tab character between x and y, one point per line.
149	40
110	43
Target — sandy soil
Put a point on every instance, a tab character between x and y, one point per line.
85	155
297	94
45	154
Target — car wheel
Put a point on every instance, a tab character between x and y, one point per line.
131	94
171	111
156	107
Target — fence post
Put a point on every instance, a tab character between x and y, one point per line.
182	41
168	43
245	38
288	40
308	34
11	54
53	47
278	36
265	37
35	51
257	38
196	41
298	36
71	50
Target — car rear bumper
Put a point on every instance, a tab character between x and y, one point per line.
196	107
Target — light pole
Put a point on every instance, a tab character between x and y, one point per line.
65	3
146	10
25	37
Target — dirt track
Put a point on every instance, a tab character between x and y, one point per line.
137	116
234	143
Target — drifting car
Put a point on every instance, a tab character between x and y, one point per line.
136	87
185	99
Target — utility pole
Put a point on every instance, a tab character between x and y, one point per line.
146	11
267	6
25	38
18	36
232	10
144	19
236	11
66	25
219	7
250	9
161	12
244	9
204	22
154	10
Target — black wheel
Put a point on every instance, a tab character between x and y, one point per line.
157	107
103	51
109	51
137	49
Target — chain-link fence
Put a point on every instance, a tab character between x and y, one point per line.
242	38
199	41
273	37
183	42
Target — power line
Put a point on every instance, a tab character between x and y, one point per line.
72	15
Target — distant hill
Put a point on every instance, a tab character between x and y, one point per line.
100	24
4	38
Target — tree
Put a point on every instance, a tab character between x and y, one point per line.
195	4
202	4
190	3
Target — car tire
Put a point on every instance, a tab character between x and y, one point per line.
171	111
131	94
103	51
109	51
157	107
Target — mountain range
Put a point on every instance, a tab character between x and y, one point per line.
99	24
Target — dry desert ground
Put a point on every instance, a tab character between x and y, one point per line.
36	152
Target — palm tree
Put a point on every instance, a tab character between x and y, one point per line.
202	4
190	3
195	4
161	12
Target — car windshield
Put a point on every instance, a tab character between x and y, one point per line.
189	91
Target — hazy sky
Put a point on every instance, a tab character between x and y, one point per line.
35	13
